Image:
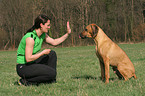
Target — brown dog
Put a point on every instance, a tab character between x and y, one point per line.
109	54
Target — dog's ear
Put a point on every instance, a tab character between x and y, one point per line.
94	30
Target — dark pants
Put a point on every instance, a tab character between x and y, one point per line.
41	70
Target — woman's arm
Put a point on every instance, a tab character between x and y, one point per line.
29	50
58	40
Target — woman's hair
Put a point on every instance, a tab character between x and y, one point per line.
40	19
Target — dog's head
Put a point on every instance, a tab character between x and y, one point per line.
90	31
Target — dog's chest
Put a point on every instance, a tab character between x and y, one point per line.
99	56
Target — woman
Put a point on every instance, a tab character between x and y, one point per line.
38	67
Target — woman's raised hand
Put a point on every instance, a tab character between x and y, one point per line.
68	28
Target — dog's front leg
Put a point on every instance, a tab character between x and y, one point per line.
102	70
106	65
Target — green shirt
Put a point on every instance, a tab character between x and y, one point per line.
37	46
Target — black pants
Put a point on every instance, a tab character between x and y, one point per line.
41	70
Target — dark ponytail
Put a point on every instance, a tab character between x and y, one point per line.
40	19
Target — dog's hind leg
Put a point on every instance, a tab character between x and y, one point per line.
116	71
123	72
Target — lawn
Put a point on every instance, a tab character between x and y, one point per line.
78	74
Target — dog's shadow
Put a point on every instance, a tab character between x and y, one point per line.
85	77
91	77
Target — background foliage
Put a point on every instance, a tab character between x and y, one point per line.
122	20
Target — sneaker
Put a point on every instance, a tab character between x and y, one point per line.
23	82
19	83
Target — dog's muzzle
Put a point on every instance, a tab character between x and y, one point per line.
82	37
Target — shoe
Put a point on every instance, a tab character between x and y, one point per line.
23	82
19	83
26	83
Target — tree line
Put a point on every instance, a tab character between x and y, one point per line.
122	20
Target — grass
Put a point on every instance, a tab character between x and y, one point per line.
78	74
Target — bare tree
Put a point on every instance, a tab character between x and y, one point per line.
119	19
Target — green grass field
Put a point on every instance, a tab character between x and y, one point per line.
78	74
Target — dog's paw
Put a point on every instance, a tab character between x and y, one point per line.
107	81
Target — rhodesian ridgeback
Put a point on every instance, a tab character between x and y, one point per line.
109	54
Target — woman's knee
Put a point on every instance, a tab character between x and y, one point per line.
52	53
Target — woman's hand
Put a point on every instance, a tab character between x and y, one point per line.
57	41
68	28
46	51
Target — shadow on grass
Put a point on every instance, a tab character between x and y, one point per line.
18	83
84	77
94	78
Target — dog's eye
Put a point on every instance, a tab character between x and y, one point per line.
86	30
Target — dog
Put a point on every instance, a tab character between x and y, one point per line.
109	54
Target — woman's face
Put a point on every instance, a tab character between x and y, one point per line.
45	27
